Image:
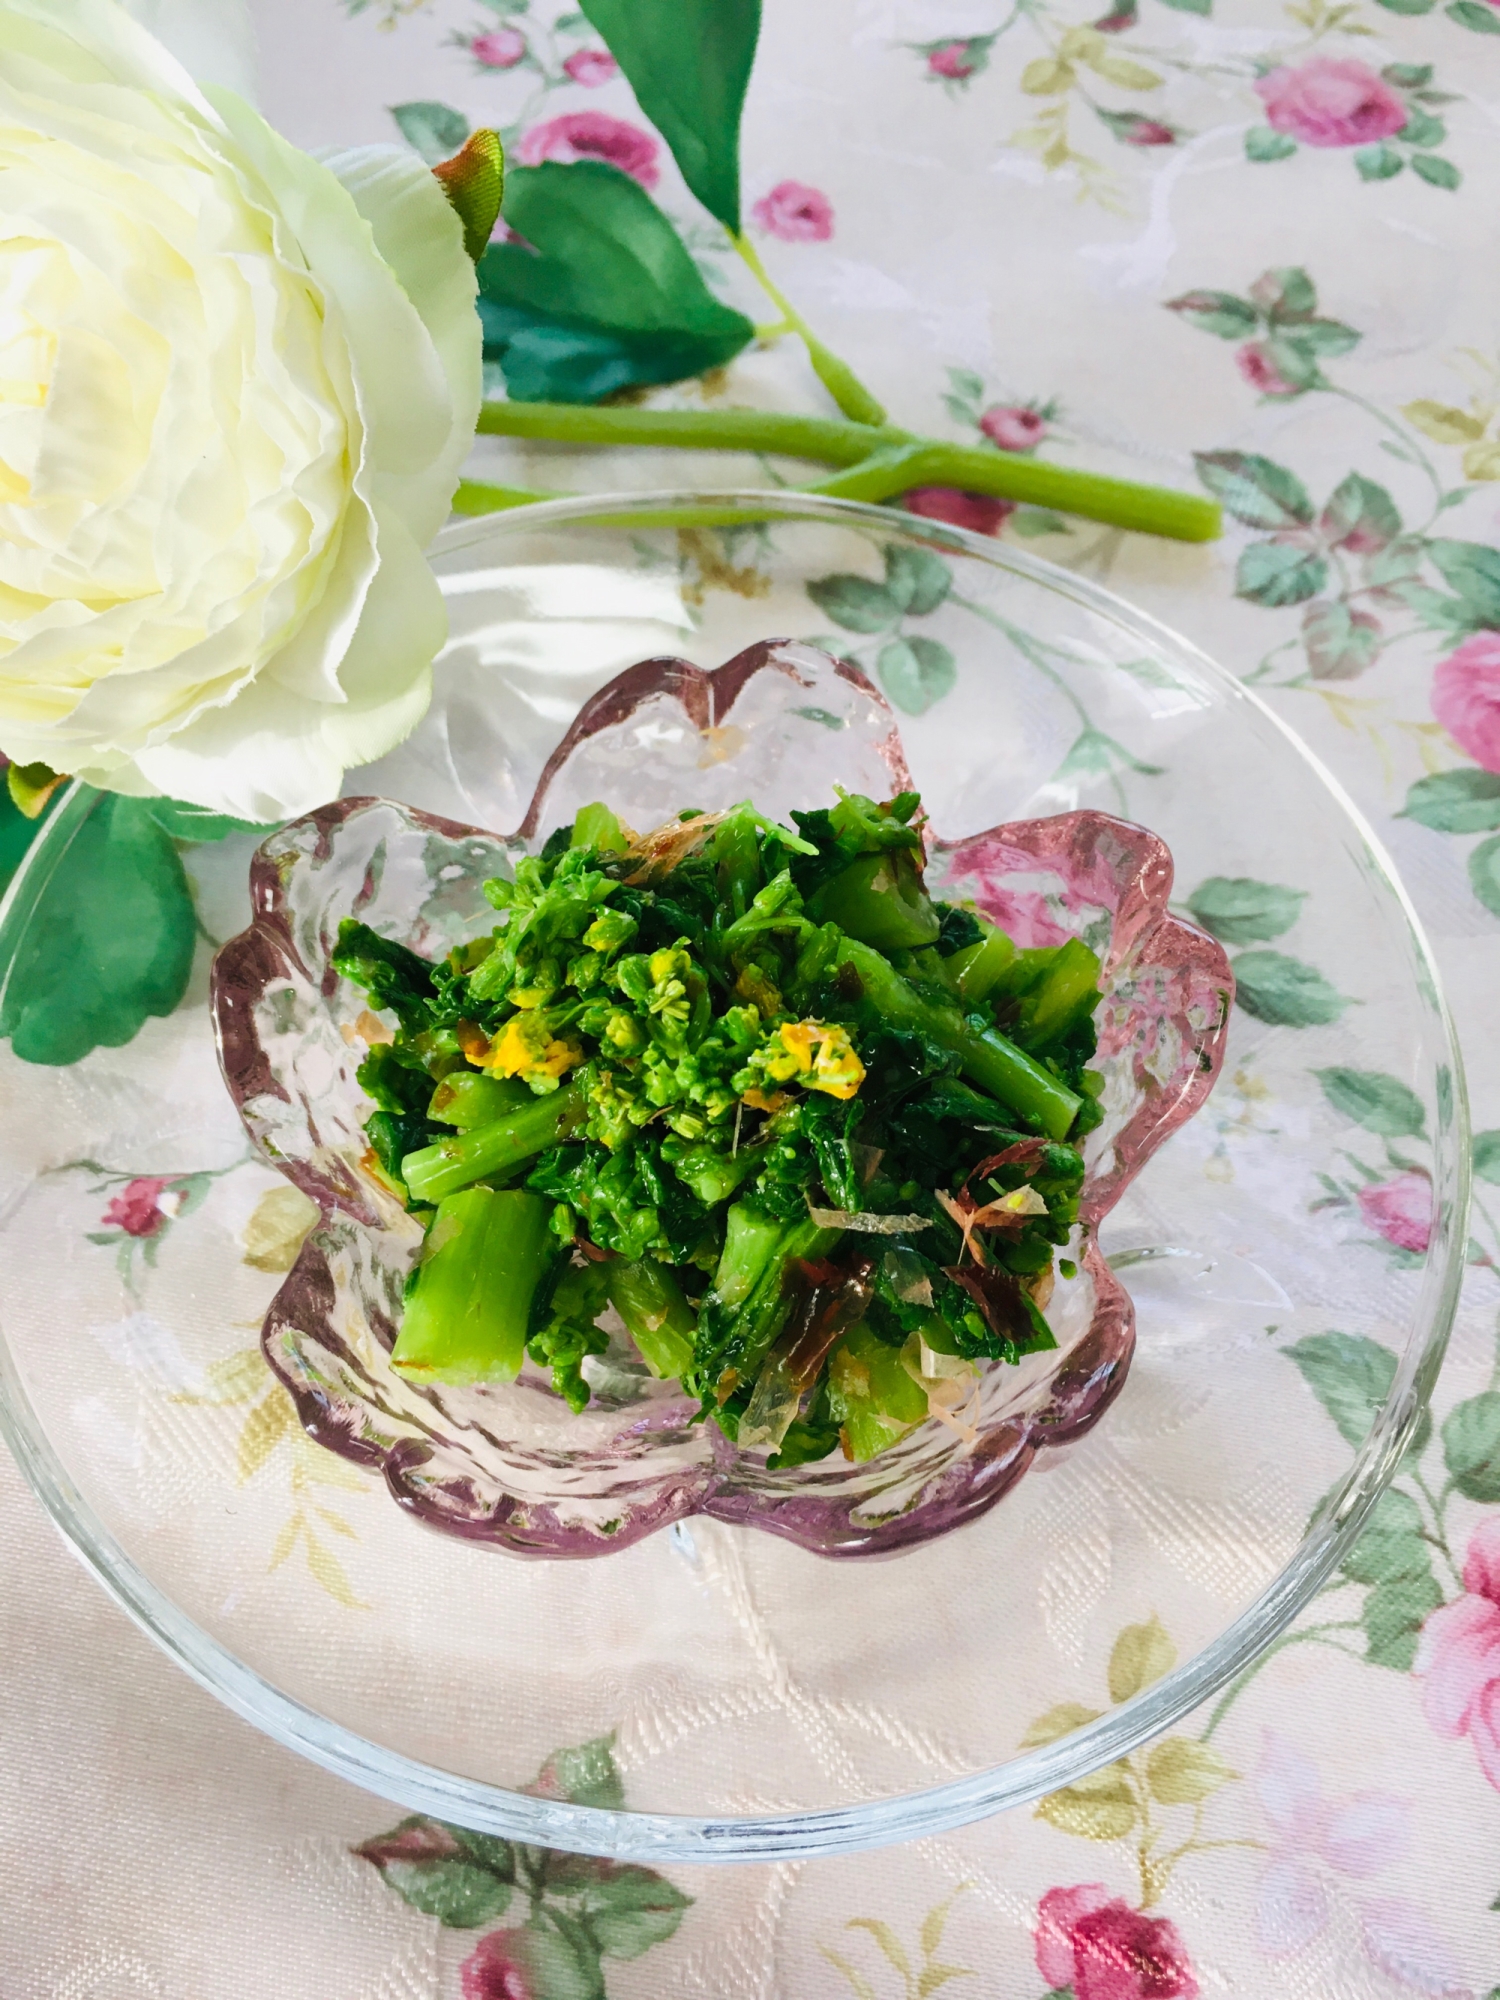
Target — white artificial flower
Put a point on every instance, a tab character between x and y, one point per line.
236	389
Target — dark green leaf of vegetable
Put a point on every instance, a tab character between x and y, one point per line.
435	130
1487	1155
1262	143
917	580
1471	1447
625	1908
1350	1375
1393	1616
1222	313
854	602
1255	490
109	943
1278	573
1240	910
1484	873
916	672
1380	1103
1285	991
1436	171
689	63
1340	643
600	295
1456	802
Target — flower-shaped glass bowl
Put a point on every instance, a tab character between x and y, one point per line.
510	1464
764	1701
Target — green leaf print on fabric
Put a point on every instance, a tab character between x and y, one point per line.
1285	992
1487	1156
1254	489
1484	873
574	1911
1349	1374
1380	1103
1455	802
1275	573
435	130
1471	1447
1240	910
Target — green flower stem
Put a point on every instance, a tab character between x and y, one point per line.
837	377
877	462
1313	1634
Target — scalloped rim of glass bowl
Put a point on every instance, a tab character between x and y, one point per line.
668	1837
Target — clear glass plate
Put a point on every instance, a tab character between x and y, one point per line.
763	1701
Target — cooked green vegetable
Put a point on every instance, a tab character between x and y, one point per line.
811	1135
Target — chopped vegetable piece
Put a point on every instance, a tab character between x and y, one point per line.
810	1133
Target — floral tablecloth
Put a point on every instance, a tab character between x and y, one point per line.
1197	240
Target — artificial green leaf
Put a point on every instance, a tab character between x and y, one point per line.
1284	991
436	130
1379	1102
1436	171
585	1775
854	602
1487	1155
1393	1616
1278	573
1484	873
1379	162
1140	1655
1222	313
625	1908
1456	802
1350	1375
1255	490
1471	1447
916	672
600	294
1339	643
196	823
917	580
17	832
1101	1806
109	943
1183	1772
1262	143
1392	1547
1473	14
1239	910
689	63
31	787
1361	516
474	182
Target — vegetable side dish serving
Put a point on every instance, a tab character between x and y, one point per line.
811	1134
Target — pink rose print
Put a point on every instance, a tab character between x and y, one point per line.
502	1968
591	67
1148	132
593	135
1013	428
1259	370
795	213
502	48
1331	101
956	60
976	511
1096	1944
1458	1656
1400	1210
139	1208
1310	1835
1466	698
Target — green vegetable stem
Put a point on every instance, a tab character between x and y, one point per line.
489	1152
468	1310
